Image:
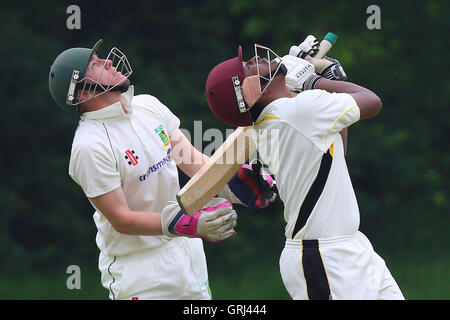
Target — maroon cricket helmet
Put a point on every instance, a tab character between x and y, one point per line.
221	86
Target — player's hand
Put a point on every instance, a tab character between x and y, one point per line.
251	186
301	74
328	67
214	222
310	46
299	71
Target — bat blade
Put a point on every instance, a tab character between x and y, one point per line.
217	171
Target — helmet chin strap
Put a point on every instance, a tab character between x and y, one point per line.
123	88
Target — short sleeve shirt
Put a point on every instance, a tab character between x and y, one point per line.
295	136
113	149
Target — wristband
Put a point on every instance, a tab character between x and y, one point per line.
311	81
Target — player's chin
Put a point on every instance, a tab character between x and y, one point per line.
120	80
274	65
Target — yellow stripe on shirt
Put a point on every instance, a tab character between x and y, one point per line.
267	118
332	149
335	122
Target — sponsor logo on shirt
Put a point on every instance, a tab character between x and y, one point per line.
157	166
131	157
163	135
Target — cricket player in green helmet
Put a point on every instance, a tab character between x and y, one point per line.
124	160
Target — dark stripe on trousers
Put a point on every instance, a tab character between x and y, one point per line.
113	279
316	278
314	193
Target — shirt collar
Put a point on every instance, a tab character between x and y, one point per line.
268	109
114	110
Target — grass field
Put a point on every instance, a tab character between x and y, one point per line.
419	280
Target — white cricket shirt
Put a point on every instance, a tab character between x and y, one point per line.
131	150
297	137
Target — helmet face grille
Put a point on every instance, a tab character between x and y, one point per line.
269	53
92	88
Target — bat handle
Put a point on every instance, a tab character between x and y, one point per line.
325	45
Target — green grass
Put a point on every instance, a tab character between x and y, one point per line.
422	279
418	280
260	282
52	287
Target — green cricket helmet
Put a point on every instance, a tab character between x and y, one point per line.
67	81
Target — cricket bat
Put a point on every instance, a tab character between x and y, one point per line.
227	160
217	171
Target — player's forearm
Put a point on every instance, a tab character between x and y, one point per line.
368	102
194	164
185	155
344	135
113	206
140	223
198	161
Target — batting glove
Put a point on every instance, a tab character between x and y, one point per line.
214	222
309	47
251	186
328	67
299	71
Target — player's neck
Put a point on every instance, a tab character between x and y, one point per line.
100	102
276	90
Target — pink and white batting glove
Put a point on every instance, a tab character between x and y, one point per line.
251	186
214	222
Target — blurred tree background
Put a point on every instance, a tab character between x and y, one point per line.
399	161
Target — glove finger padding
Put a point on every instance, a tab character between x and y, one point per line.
216	220
298	71
262	178
252	187
221	225
221	236
310	46
260	182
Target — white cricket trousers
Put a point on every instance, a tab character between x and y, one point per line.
174	271
341	268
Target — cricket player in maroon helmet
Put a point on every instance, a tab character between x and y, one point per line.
301	109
